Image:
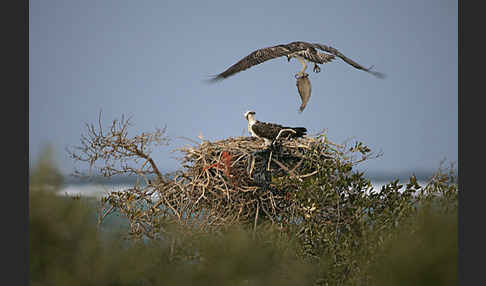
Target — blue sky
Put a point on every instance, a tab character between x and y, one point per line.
149	59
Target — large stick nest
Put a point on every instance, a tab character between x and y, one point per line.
231	179
236	180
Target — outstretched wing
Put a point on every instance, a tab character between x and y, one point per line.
348	60
255	58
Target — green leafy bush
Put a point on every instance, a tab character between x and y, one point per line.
67	248
326	227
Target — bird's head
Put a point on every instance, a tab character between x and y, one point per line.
249	114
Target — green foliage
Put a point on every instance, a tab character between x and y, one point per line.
425	254
333	228
344	224
67	248
44	173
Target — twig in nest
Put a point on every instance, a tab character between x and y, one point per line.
298	165
269	160
283	131
281	165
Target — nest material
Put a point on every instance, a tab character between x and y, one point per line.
234	163
232	178
226	182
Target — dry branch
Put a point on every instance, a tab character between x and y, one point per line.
118	153
225	182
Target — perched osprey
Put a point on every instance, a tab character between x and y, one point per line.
302	51
270	131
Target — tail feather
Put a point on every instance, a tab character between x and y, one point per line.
300	131
213	78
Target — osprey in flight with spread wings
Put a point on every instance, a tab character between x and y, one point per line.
269	132
302	51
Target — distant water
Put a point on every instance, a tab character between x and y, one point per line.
117	223
92	190
101	190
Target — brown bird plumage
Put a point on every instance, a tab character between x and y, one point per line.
303	52
300	50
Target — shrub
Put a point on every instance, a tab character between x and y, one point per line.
322	211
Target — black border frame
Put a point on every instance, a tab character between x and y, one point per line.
15	207
471	245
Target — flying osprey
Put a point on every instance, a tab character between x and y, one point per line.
302	51
270	131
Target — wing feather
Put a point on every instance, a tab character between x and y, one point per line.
348	60
307	50
255	58
271	130
266	130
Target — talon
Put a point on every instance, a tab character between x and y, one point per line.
317	68
301	75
